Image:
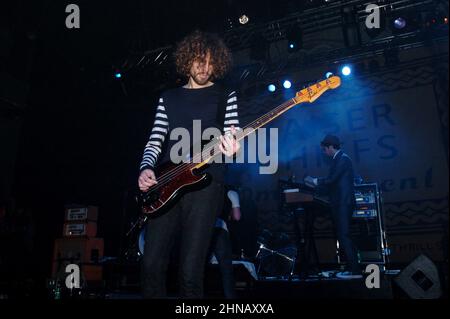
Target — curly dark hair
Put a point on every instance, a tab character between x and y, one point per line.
196	46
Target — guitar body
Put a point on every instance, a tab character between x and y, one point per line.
160	198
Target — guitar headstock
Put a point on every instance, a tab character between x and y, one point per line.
313	92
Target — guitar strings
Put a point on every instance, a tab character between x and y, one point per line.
181	168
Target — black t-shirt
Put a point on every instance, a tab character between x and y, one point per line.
214	106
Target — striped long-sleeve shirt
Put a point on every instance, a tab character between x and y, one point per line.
179	107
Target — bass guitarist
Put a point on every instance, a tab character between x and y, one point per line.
201	58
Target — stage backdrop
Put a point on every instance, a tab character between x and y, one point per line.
394	126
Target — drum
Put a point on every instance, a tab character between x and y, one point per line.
141	241
276	263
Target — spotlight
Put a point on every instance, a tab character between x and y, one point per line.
346	70
329	74
243	19
294	37
399	23
406	23
272	88
287	84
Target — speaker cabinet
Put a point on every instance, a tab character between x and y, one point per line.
420	279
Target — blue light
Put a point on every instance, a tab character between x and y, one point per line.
271	88
329	74
287	84
346	70
400	23
291	46
118	75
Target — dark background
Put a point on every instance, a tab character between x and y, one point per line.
80	132
72	133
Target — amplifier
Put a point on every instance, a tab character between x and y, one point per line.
365	197
85	252
366	201
365	213
81	213
78	229
367	226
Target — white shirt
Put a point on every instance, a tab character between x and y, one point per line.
234	199
336	154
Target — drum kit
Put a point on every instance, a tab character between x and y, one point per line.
276	255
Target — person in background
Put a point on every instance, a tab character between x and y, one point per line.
340	186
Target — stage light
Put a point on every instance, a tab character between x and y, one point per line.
272	88
410	22
329	74
243	19
287	84
346	70
294	36
399	23
117	75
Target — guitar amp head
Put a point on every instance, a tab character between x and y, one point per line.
80	229
81	213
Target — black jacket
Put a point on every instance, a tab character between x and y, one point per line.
340	181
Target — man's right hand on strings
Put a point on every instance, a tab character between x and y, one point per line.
147	179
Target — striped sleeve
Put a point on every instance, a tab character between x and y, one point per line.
158	135
231	113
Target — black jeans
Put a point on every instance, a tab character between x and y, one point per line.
221	247
196	212
342	216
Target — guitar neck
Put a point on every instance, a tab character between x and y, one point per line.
266	118
310	94
249	129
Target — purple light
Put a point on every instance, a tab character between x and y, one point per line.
400	23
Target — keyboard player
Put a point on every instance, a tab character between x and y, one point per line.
339	185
